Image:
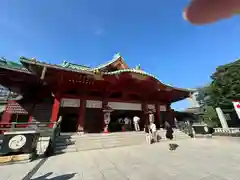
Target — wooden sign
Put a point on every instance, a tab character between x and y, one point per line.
65	102
94	104
125	106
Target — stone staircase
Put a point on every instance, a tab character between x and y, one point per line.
69	142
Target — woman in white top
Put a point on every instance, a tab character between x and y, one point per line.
153	129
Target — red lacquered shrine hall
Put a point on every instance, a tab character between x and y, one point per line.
85	96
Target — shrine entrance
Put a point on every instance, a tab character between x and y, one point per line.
69	118
115	125
93	120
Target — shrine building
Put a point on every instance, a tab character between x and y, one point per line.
84	97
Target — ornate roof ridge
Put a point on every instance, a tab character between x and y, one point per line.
55	66
14	66
147	74
67	63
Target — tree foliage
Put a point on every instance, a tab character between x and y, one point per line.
210	116
224	88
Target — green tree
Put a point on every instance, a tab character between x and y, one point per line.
225	86
209	116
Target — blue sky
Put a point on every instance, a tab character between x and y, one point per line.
151	33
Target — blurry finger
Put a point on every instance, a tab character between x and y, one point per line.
208	11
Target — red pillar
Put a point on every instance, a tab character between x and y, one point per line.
30	119
81	117
145	113
30	114
6	117
55	110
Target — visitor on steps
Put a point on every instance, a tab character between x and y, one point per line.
153	130
147	134
169	131
136	121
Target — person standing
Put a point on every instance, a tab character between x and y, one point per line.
153	129
136	121
147	134
169	131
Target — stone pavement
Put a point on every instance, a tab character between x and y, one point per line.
16	171
194	159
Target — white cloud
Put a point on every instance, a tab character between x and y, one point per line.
99	31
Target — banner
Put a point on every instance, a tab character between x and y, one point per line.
236	105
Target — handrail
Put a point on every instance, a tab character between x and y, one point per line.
56	132
27	125
4	123
56	127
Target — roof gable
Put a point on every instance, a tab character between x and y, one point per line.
116	63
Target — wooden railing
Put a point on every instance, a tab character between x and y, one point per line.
52	142
49	129
21	126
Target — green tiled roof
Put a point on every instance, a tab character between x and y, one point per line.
130	70
137	71
66	64
56	66
12	66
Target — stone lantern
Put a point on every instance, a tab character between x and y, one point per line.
107	117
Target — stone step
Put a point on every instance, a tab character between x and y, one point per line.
96	139
102	141
100	137
99	141
92	146
76	148
97	135
86	138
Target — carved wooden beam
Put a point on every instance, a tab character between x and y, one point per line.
44	70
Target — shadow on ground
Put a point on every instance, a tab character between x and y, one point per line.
61	177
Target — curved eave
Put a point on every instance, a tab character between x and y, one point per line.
143	73
15	69
24	60
115	59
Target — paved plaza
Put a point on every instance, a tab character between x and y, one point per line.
194	159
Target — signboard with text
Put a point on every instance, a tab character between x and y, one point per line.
65	102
